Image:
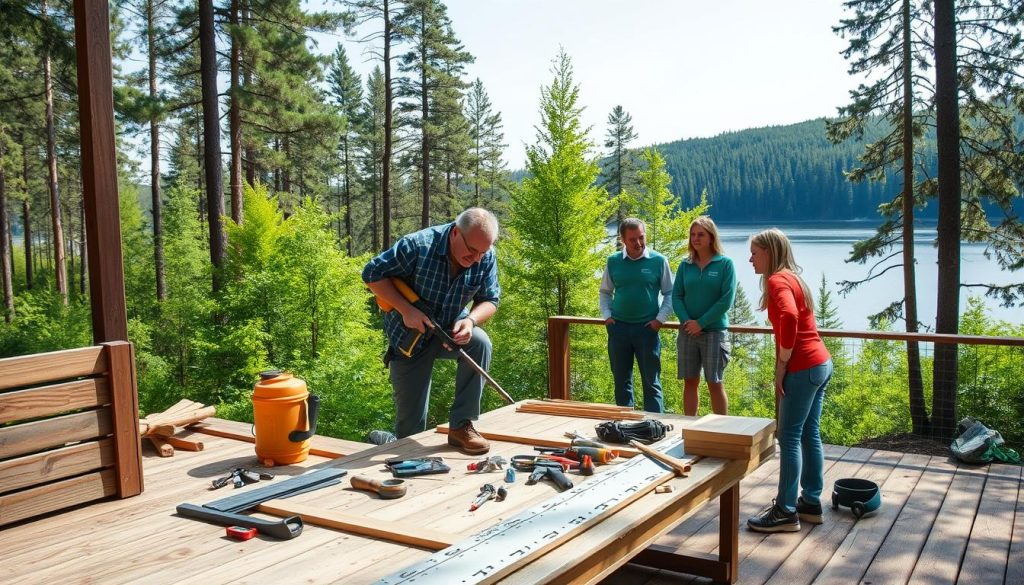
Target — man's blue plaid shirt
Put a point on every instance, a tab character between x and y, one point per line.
421	260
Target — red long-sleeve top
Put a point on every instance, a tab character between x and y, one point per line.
793	323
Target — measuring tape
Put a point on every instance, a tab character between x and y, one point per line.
489	555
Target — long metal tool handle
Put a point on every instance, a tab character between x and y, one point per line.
483	372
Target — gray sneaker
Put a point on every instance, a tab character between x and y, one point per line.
774	519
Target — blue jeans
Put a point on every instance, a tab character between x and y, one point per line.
801	455
410	381
627	341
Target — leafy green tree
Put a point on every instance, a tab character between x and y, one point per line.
553	248
668	224
620	166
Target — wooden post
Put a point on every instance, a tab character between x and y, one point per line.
125	409
728	535
99	170
558	358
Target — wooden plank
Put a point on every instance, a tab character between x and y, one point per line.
125	415
898	555
733	430
242	431
727	450
41	368
854	542
57	464
985	560
54	399
99	171
55	496
54	432
393	531
939	561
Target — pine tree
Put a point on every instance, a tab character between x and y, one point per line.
371	147
557	215
619	169
347	91
434	66
487	169
668	224
883	40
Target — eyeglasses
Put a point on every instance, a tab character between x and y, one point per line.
471	249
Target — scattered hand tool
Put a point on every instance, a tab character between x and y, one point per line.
240	532
225	511
587	466
488	465
412	336
680	467
510	475
576	453
389	489
487	492
526	462
502	493
240	477
547	469
412	467
579	440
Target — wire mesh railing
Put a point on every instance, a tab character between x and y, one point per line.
878	388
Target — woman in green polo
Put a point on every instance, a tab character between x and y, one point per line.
704	289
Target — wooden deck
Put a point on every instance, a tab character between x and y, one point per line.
938	524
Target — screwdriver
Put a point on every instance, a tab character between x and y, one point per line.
486	493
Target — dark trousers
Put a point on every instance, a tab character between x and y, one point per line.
629	341
410	381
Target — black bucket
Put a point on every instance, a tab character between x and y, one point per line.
861	496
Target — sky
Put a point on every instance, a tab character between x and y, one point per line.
680	68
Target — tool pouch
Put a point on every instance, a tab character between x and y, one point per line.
412	467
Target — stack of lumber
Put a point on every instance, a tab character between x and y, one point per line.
580	409
160	427
729	437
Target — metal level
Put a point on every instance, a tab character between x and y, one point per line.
488	555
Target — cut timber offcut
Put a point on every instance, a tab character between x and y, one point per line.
160	427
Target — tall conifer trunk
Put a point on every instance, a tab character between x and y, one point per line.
947	318
156	196
26	218
5	246
211	139
60	267
235	119
425	108
918	412
385	181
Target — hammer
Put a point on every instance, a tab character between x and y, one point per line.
389	489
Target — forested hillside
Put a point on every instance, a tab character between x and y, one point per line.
778	173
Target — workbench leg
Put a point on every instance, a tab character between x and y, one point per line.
728	531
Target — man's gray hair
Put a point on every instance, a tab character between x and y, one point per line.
631	223
478	218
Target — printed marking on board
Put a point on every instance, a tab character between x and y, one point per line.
494	549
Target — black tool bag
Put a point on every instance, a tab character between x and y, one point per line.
646	431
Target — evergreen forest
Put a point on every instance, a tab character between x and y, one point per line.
274	172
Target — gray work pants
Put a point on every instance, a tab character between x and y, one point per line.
410	381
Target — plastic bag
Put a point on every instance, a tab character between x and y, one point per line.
980	444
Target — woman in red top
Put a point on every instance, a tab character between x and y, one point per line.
803	368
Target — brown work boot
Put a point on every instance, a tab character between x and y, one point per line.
467	440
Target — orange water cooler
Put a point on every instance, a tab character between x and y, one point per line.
285	415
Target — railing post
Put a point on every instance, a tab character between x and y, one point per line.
558	358
124	400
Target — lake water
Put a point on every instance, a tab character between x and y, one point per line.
823	249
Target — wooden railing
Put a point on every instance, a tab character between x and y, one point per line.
69	429
559	345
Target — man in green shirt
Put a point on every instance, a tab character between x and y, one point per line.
633	280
